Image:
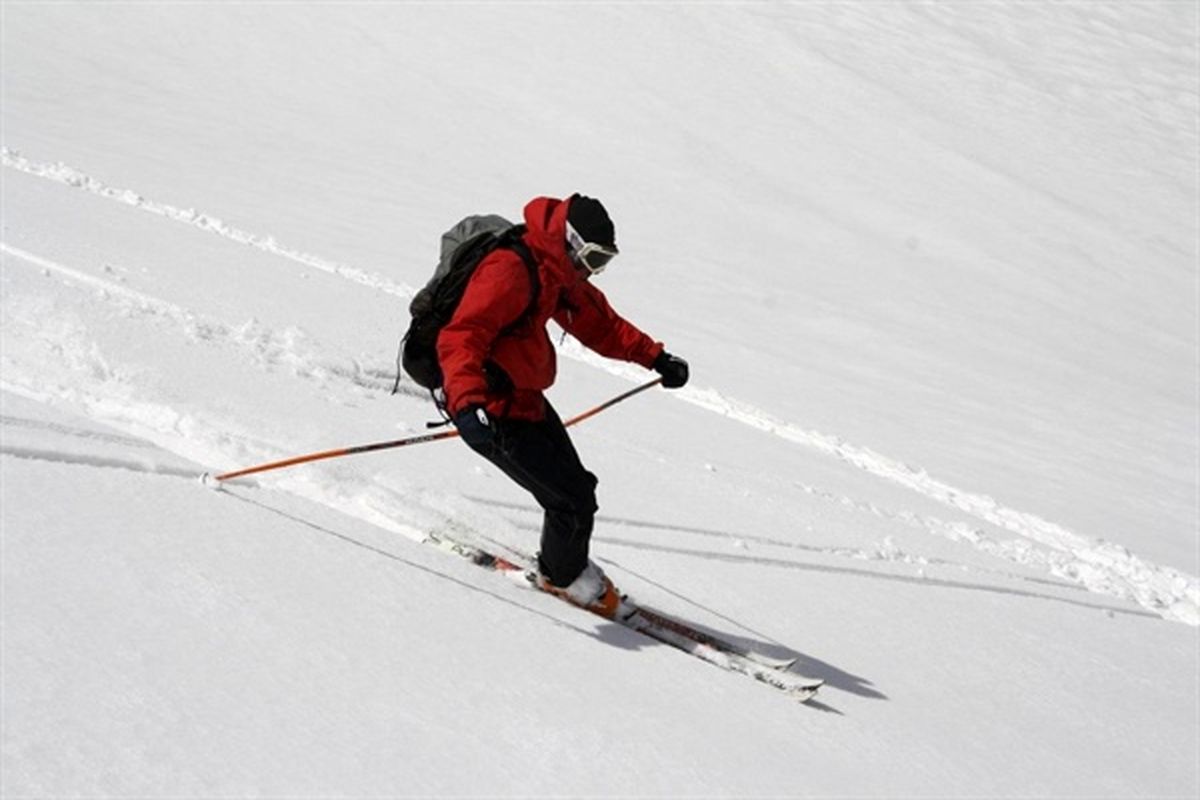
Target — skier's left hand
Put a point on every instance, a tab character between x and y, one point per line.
674	370
475	426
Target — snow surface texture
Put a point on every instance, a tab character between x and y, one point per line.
958	236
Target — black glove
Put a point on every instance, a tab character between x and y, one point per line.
674	370
474	426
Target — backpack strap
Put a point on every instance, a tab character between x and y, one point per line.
512	240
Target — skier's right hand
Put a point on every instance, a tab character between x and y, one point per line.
674	370
475	426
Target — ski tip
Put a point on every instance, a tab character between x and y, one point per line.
780	664
807	692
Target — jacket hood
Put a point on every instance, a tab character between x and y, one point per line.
546	221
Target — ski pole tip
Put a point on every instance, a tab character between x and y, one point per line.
208	481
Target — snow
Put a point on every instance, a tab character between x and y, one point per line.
934	267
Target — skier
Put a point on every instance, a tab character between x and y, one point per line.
494	377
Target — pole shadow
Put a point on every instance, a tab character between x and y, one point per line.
785	563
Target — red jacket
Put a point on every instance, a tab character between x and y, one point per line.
499	292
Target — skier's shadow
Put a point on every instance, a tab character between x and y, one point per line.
619	636
750	639
805	664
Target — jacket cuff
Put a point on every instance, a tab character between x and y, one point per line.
458	404
651	354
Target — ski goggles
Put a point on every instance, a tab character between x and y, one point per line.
589	255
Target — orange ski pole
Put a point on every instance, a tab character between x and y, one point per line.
610	403
344	451
208	479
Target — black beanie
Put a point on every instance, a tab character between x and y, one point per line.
588	217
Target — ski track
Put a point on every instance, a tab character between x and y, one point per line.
61	173
133	465
1100	566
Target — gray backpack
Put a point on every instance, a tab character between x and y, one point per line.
463	248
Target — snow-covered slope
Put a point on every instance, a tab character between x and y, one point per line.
934	267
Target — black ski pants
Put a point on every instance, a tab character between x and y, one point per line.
540	457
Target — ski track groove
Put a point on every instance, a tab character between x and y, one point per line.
61	173
1098	565
102	462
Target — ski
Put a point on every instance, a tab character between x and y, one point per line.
702	637
795	686
658	626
